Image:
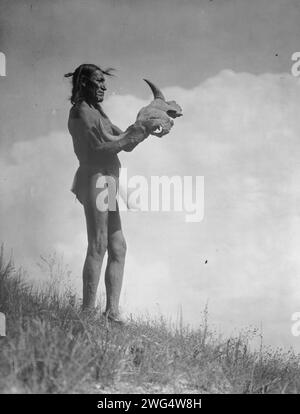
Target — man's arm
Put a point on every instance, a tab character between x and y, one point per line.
117	131
84	128
130	147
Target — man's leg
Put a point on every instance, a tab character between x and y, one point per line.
97	232
115	263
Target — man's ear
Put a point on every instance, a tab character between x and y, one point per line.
83	81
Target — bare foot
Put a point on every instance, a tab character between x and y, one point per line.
114	318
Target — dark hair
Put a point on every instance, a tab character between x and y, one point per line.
84	70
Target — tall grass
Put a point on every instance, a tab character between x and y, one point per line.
51	347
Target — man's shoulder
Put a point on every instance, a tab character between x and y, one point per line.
81	109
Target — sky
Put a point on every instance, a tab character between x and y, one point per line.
228	64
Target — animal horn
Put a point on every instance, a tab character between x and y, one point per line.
156	92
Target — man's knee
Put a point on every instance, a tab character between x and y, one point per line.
117	248
98	246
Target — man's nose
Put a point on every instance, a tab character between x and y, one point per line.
103	87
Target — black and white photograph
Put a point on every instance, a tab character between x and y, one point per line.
149	199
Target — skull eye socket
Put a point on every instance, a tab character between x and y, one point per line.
172	113
158	130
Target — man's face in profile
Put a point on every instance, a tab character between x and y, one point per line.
96	86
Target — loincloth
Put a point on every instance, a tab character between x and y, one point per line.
86	181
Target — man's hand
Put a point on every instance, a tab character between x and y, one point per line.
136	133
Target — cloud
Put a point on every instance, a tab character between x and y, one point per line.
239	131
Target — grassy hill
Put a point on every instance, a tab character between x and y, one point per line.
51	347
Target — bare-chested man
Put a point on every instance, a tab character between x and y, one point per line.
98	157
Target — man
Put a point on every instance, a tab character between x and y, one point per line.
96	143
